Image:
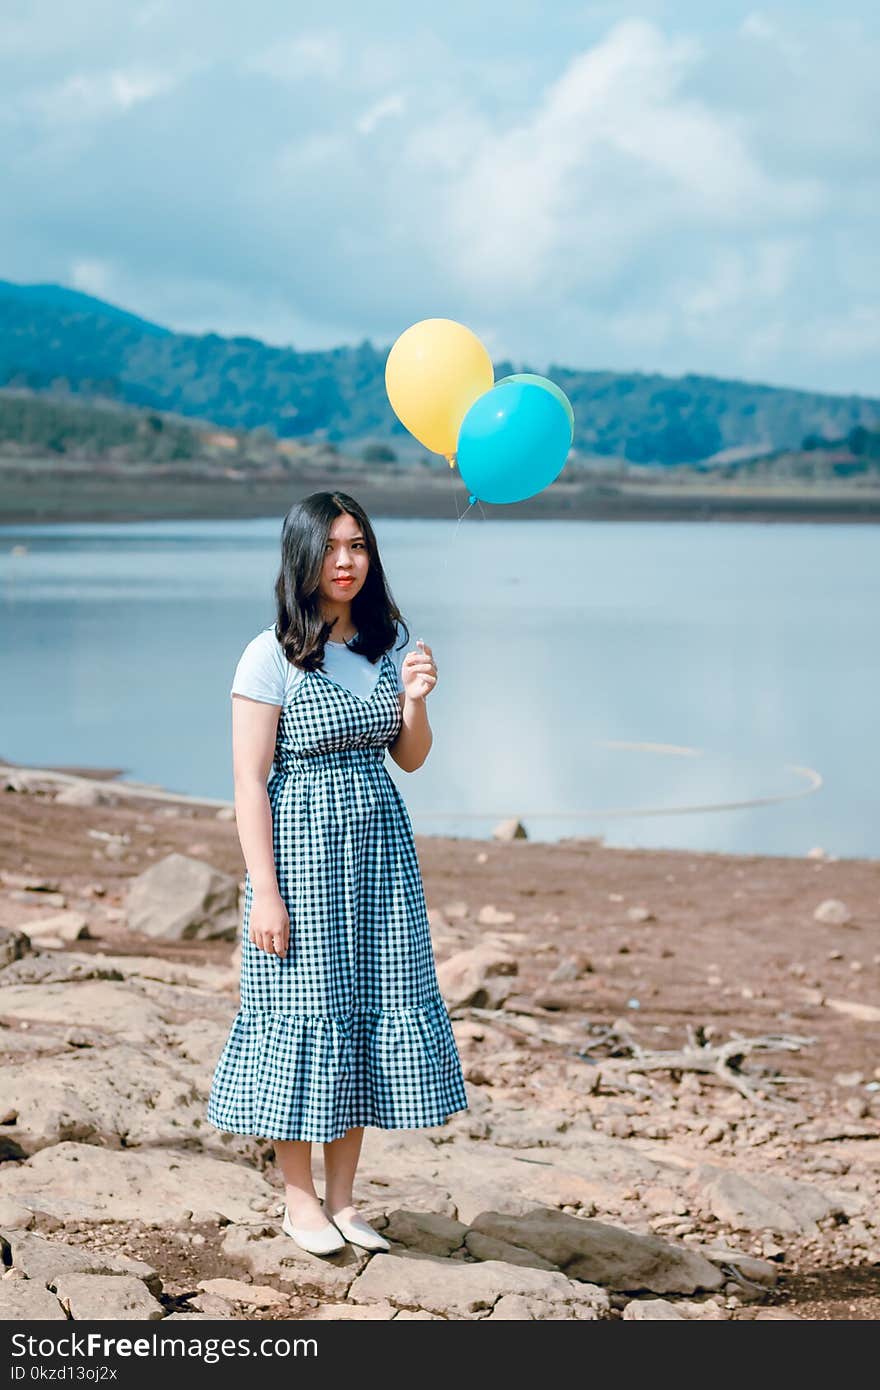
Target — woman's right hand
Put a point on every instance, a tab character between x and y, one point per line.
269	923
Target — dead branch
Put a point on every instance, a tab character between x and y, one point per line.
721	1060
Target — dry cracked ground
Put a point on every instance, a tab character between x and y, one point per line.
671	1061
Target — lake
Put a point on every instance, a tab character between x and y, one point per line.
706	686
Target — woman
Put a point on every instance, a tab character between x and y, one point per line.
341	1022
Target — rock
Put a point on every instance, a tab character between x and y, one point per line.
211	1304
750	1266
9	879
572	968
46	1261
204	1216
13	945
106	1296
490	1248
427	1231
863	1013
556	1000
180	899
607	1255
491	916
456	910
858	1107
355	1312
20	895
664	1199
759	1201
651	1310
66	926
42	970
146	1184
512	829
481	976
517	1307
264	1253
255	1295
15	1214
106	1094
619	1126
833	911
24	1300
451	1287
640	914
85	794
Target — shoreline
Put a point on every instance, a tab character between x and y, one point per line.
104	780
55	498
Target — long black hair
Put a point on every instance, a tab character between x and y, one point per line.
299	625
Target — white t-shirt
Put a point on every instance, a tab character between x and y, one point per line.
264	673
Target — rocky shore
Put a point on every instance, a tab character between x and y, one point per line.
672	1065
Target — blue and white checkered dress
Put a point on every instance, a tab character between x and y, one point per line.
349	1028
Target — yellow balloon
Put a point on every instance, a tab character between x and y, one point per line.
434	373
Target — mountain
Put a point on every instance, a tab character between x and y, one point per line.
56	339
76	302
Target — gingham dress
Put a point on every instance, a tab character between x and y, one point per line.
349	1028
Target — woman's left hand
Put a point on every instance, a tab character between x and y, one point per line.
419	672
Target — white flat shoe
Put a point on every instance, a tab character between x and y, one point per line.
324	1241
360	1232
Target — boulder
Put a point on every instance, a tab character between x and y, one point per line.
181	898
611	1256
481	976
106	1297
453	1288
161	1185
23	1300
430	1232
13	945
45	1261
652	1310
763	1201
833	911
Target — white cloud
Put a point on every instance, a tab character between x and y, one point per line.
93	277
689	193
310	154
392	105
760	27
613	144
318	55
92	96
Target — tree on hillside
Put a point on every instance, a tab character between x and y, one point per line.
378	453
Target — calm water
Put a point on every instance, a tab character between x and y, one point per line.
638	681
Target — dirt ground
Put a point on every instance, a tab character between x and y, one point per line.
731	946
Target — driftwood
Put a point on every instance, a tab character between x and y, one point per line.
721	1060
624	1056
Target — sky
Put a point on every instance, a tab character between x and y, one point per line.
684	187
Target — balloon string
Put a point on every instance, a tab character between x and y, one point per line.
459	515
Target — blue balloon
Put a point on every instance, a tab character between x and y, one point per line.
513	442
